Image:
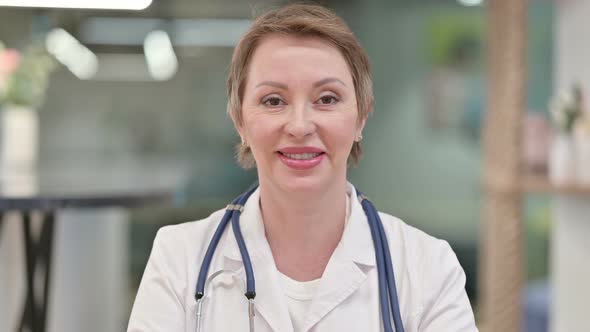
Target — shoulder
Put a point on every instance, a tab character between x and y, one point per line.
425	256
176	247
187	237
416	243
166	288
434	275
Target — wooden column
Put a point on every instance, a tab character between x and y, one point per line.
502	260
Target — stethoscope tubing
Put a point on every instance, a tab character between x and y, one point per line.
384	267
377	243
393	297
250	282
231	214
388	299
200	289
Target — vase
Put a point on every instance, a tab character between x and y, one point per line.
562	160
582	143
19	139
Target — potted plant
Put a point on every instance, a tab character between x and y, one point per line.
24	77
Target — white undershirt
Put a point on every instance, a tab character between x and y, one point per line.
299	294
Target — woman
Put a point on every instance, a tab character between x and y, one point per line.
300	93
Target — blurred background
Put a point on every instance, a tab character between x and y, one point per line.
133	100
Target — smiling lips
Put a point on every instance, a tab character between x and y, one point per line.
301	158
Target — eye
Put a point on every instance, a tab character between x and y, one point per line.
327	100
273	101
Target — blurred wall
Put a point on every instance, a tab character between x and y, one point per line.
431	182
570	259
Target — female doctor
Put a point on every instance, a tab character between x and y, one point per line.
300	92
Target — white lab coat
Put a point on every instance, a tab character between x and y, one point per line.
430	281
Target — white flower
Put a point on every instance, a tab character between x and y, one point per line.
565	108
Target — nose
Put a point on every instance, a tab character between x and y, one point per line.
300	123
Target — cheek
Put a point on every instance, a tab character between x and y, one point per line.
341	132
259	130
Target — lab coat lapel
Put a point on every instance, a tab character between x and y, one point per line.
348	267
269	302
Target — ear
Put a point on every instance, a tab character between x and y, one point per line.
361	126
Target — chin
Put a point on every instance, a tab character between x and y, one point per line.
300	181
307	183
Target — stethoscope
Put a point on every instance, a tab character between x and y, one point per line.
387	292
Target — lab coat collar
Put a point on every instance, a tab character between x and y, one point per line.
356	242
353	257
271	307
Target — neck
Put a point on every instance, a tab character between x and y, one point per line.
303	229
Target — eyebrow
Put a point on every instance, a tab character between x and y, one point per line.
271	83
315	85
326	81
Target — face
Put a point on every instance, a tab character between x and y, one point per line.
299	112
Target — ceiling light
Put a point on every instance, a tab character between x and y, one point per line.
183	32
159	55
71	53
470	2
82	4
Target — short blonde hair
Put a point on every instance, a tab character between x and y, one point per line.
302	20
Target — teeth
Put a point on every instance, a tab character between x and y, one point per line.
301	156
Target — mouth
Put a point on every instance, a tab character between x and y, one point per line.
301	158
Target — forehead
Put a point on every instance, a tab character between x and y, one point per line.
280	53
